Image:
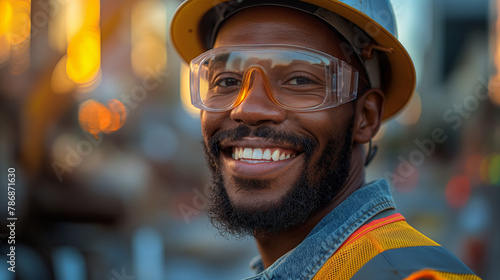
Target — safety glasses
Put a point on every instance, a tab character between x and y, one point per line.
295	78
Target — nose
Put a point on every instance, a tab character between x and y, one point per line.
257	107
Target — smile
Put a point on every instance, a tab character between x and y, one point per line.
255	157
261	155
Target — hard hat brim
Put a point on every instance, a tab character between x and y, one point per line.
398	72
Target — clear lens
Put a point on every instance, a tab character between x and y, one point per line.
296	78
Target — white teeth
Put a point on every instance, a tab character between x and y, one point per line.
247	153
276	155
267	154
257	154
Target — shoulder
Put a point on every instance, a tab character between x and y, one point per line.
389	248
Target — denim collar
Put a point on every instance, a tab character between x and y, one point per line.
305	260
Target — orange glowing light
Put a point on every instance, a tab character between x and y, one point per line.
15	30
92	13
118	114
81	14
5	16
83	32
21	21
457	191
90	115
5	27
95	118
84	56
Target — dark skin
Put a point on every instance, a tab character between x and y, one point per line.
261	26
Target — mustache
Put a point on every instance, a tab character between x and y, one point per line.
300	142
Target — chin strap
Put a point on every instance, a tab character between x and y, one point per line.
372	151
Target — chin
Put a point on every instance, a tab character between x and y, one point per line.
256	194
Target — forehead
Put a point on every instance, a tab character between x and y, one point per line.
279	25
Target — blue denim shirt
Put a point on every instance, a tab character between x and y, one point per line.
305	260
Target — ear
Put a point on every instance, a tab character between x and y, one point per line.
368	115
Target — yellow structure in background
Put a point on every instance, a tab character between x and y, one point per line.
148	37
83	32
15	28
76	30
6	14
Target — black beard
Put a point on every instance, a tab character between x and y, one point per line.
306	197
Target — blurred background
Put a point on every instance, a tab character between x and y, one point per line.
110	173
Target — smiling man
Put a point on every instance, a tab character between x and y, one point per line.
290	91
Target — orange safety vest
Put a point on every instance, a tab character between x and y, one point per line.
390	245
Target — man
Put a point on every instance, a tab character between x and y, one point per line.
289	92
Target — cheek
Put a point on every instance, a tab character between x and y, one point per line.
321	125
211	123
325	126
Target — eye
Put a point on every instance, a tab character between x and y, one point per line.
299	81
228	82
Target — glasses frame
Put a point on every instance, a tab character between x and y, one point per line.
333	77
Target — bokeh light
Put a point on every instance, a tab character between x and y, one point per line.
150	162
96	118
149	37
457	191
118	113
5	27
81	14
494	170
84	56
15	29
83	65
21	21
